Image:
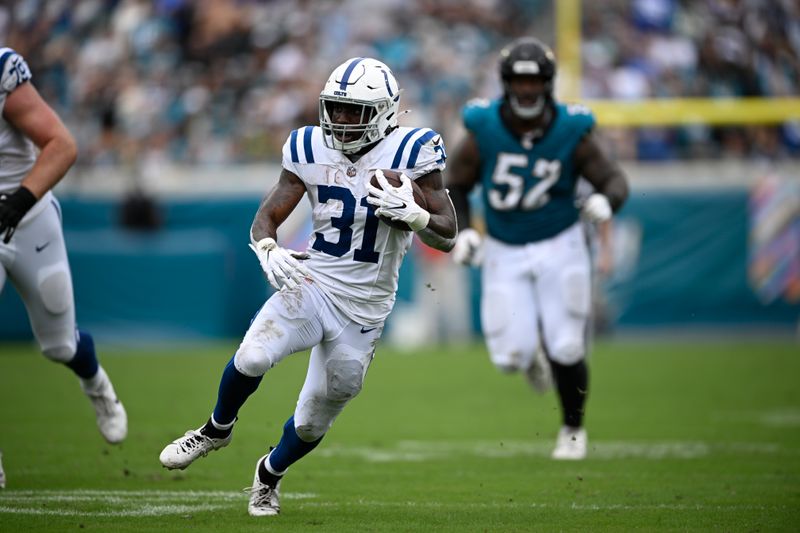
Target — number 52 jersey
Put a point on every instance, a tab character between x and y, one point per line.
528	191
354	257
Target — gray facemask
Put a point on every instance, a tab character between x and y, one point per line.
527	112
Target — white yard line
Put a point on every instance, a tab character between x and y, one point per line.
143	510
111	495
125	503
83	494
135	507
135	503
534	505
415	451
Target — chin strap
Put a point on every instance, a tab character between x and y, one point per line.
527	112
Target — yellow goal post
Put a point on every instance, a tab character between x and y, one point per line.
656	111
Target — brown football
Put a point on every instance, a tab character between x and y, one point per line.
393	177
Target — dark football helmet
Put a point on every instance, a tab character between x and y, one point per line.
528	56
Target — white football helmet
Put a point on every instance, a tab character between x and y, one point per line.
370	84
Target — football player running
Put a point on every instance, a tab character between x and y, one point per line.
334	298
527	151
36	150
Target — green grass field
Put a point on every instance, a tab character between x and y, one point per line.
683	436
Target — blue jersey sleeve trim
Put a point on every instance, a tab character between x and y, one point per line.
293	146
309	130
418	144
398	156
440	148
3	59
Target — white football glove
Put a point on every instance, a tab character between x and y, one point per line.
397	203
596	208
282	266
468	249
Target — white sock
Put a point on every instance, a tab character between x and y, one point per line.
272	470
221	427
96	383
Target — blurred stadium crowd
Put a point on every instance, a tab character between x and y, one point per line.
224	81
634	49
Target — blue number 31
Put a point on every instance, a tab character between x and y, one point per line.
366	253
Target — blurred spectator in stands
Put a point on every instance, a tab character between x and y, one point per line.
667	48
222	79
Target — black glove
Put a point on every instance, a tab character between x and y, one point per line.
12	208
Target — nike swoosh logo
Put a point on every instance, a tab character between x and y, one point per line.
366	330
42	247
401	206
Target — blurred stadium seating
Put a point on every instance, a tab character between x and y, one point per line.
189	103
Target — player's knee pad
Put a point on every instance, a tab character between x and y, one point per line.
252	359
567	353
55	289
344	373
345	379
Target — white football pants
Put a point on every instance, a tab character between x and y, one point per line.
36	263
341	351
540	288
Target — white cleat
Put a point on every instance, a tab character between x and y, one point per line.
112	420
571	444
182	452
538	375
264	500
2	473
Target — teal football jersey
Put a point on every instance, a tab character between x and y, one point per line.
528	193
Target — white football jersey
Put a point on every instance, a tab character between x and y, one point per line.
17	152
355	258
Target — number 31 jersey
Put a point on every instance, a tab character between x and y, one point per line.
528	191
354	257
